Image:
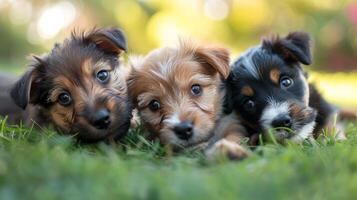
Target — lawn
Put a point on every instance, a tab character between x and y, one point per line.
40	164
44	165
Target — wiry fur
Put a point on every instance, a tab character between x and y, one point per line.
166	75
72	67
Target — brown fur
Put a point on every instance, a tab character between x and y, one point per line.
228	138
72	67
247	91
167	75
298	111
275	76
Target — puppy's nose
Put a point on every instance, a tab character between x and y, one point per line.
184	130
282	121
101	119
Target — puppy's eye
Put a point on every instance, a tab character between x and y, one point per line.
249	105
286	82
103	76
196	89
154	105
64	99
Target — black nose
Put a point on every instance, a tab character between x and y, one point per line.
282	121
101	119
184	130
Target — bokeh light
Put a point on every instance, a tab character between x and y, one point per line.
216	9
33	26
20	12
54	18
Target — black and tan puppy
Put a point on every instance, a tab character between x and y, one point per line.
269	90
77	87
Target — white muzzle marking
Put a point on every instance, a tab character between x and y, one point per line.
271	112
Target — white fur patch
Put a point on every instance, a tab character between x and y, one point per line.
167	65
271	112
173	120
304	133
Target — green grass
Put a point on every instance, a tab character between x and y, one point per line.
43	165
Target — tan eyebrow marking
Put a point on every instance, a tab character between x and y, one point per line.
275	75
247	91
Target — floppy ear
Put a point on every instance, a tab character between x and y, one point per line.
295	47
24	89
111	40
216	57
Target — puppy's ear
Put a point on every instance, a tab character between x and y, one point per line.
111	40
295	47
216	57
25	88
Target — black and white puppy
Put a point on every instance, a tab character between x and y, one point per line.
268	90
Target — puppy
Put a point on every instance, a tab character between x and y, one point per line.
179	92
77	87
268	90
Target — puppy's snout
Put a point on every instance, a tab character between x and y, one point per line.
184	130
283	120
101	119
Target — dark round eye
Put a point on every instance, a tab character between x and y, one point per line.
64	99
154	105
103	76
196	89
249	105
286	82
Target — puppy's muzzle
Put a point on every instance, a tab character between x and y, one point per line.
101	119
184	130
282	121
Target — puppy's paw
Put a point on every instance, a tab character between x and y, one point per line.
226	148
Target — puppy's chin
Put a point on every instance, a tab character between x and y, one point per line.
87	133
298	135
304	133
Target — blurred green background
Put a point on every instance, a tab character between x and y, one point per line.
33	26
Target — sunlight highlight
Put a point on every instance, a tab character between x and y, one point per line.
216	9
20	12
54	18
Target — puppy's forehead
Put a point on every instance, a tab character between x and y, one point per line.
171	66
256	63
72	66
168	59
73	58
246	64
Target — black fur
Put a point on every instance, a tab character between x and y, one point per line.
20	91
295	47
34	87
253	69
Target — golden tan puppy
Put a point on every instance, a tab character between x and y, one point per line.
179	92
